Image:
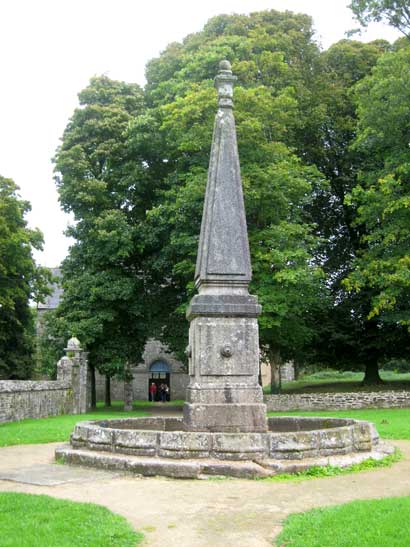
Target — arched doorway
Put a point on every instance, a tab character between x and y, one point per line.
160	374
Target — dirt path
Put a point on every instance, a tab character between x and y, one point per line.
229	513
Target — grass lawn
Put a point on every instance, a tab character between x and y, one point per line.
28	520
57	428
374	523
148	404
391	423
333	381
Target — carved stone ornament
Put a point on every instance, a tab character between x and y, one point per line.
227	350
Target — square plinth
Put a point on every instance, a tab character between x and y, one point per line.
234	418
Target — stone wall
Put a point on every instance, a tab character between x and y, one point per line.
117	388
26	399
337	401
69	394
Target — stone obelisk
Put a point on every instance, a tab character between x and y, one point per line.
223	393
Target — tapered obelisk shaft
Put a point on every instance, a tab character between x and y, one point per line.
223	393
223	253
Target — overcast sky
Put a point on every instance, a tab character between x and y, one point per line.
51	48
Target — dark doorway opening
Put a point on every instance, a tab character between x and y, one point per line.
160	375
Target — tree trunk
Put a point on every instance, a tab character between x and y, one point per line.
275	379
107	390
371	375
93	389
297	370
128	391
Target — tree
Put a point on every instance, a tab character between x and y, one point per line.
273	55
382	198
20	280
395	12
105	188
344	337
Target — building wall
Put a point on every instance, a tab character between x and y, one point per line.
337	401
21	399
154	351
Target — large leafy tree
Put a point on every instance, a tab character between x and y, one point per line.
20	280
382	198
133	172
394	12
105	189
345	338
274	56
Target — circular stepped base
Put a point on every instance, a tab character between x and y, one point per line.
206	468
161	446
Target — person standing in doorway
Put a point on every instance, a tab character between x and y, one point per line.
152	392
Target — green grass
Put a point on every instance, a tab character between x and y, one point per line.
392	423
373	523
56	428
148	404
333	381
28	520
332	471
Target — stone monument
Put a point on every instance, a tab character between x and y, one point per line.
224	429
223	392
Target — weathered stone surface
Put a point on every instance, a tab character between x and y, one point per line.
136	439
231	393
337	401
180	440
214	305
180	444
239	446
100	439
225	418
290	442
223	252
81	431
20	399
239	470
336	438
224	393
69	394
203	468
292	438
363	436
211	334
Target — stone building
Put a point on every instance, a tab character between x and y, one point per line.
51	302
159	365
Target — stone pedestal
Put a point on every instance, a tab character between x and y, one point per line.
223	393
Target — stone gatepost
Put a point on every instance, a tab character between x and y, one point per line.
223	393
65	370
80	376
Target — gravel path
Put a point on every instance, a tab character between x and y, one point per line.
188	513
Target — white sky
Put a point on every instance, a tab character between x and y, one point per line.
49	49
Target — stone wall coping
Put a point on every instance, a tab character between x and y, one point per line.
337	401
343	395
16	386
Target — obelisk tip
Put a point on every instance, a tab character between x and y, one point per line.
225	65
